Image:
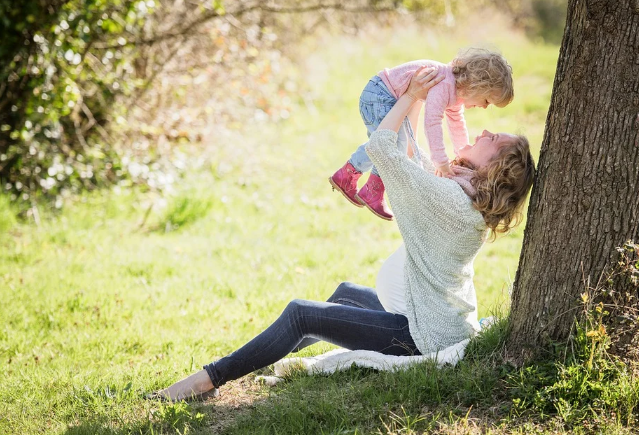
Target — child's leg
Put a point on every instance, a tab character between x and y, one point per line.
359	159
349	327
374	103
372	193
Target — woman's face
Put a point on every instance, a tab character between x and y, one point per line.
485	148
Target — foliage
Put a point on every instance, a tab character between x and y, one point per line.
100	91
618	295
548	19
7	215
588	384
97	92
59	91
542	19
184	209
97	303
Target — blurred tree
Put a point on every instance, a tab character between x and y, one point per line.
548	18
585	201
539	18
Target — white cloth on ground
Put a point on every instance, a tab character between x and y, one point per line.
343	359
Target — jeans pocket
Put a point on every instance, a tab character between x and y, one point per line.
382	110
367	110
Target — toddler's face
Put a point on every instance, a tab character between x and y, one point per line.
477	101
485	147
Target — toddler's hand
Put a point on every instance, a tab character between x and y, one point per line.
423	79
443	170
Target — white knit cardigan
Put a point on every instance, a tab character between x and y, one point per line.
442	233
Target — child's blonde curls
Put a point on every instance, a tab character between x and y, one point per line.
481	72
503	184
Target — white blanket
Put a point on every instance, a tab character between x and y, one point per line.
342	359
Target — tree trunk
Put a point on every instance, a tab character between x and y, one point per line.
585	201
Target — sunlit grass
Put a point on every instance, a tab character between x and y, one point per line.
7	216
102	303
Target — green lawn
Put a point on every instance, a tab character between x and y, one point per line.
98	309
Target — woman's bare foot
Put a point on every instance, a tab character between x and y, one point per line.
197	386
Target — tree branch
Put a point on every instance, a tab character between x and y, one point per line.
209	15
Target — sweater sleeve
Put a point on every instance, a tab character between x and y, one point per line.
411	189
398	78
434	109
426	162
457	127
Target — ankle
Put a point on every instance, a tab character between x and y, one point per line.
203	381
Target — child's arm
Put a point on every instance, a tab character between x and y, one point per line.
434	110
457	127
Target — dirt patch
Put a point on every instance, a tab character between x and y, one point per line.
236	398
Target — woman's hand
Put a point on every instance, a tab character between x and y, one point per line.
420	83
423	79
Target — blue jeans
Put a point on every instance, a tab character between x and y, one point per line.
352	318
374	103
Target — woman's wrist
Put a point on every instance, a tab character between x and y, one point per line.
413	97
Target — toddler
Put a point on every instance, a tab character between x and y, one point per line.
475	78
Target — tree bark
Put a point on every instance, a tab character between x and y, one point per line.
585	200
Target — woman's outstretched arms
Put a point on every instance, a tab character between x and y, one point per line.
413	117
409	186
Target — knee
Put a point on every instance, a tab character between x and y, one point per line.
294	308
341	291
297	310
343	286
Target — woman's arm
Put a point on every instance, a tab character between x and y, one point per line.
413	117
393	119
409	186
414	193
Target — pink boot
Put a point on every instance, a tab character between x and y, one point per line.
372	196
345	181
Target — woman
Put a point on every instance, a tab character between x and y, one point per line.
443	222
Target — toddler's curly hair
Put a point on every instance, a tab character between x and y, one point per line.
503	184
485	73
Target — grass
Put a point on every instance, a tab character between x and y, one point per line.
184	209
7	216
121	293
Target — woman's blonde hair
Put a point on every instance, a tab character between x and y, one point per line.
503	184
481	72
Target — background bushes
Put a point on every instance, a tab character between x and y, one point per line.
102	92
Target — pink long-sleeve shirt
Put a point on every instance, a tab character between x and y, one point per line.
441	101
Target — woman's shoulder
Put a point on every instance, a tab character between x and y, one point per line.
458	205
